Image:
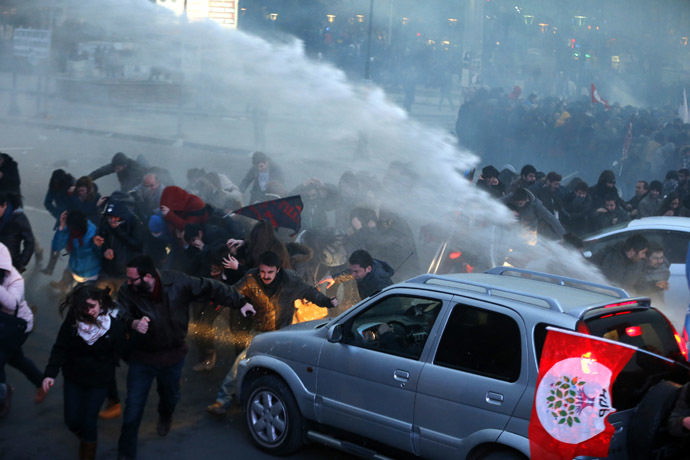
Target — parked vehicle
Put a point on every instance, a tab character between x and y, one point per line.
445	367
673	233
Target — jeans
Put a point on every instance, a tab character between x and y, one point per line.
139	380
15	357
81	405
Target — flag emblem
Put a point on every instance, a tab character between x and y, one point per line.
573	399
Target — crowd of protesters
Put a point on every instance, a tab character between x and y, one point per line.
140	255
564	135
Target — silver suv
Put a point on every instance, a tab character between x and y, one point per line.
440	367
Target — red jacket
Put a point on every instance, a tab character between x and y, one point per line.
185	208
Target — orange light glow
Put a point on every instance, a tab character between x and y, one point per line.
455	255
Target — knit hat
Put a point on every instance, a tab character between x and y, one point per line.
489	171
156	224
119	159
116	208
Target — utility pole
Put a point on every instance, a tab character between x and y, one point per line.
367	64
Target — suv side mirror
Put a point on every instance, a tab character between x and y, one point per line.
335	333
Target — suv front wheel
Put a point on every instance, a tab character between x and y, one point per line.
273	417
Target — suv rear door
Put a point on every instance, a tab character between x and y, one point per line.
366	383
476	377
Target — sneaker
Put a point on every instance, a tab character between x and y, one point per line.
207	364
5	403
217	408
163	426
112	410
40	395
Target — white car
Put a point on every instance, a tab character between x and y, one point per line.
673	233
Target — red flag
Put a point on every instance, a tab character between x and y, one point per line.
628	140
573	396
597	99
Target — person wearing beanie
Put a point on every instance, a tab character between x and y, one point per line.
120	238
489	182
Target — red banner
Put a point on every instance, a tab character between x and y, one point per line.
573	396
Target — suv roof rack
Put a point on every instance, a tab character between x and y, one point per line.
562	280
553	303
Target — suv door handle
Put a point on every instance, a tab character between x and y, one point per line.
401	376
494	398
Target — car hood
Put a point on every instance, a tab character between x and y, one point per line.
297	343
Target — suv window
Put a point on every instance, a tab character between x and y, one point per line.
482	342
398	325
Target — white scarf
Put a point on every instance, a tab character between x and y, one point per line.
92	332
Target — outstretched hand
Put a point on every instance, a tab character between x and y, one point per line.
247	309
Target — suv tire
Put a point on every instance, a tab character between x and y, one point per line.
273	417
646	431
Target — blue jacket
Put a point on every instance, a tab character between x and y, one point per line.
85	259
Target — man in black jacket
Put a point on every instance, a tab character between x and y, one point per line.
157	304
120	238
274	291
371	274
129	172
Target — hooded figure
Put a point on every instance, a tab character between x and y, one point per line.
15	231
129	172
180	208
12	290
122	238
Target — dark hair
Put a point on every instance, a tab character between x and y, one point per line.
11	198
672	174
119	159
637	242
76	305
582	186
362	258
191	231
270	259
60	180
528	169
554	177
606	176
520	194
645	184
86	181
76	222
656	185
654	246
144	265
611	197
684	171
259	157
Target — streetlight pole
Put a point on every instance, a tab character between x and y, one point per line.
367	64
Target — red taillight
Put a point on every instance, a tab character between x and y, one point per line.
621	304
633	331
455	255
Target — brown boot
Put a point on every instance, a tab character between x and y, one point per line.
112	410
87	450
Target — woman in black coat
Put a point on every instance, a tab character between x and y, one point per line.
87	348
